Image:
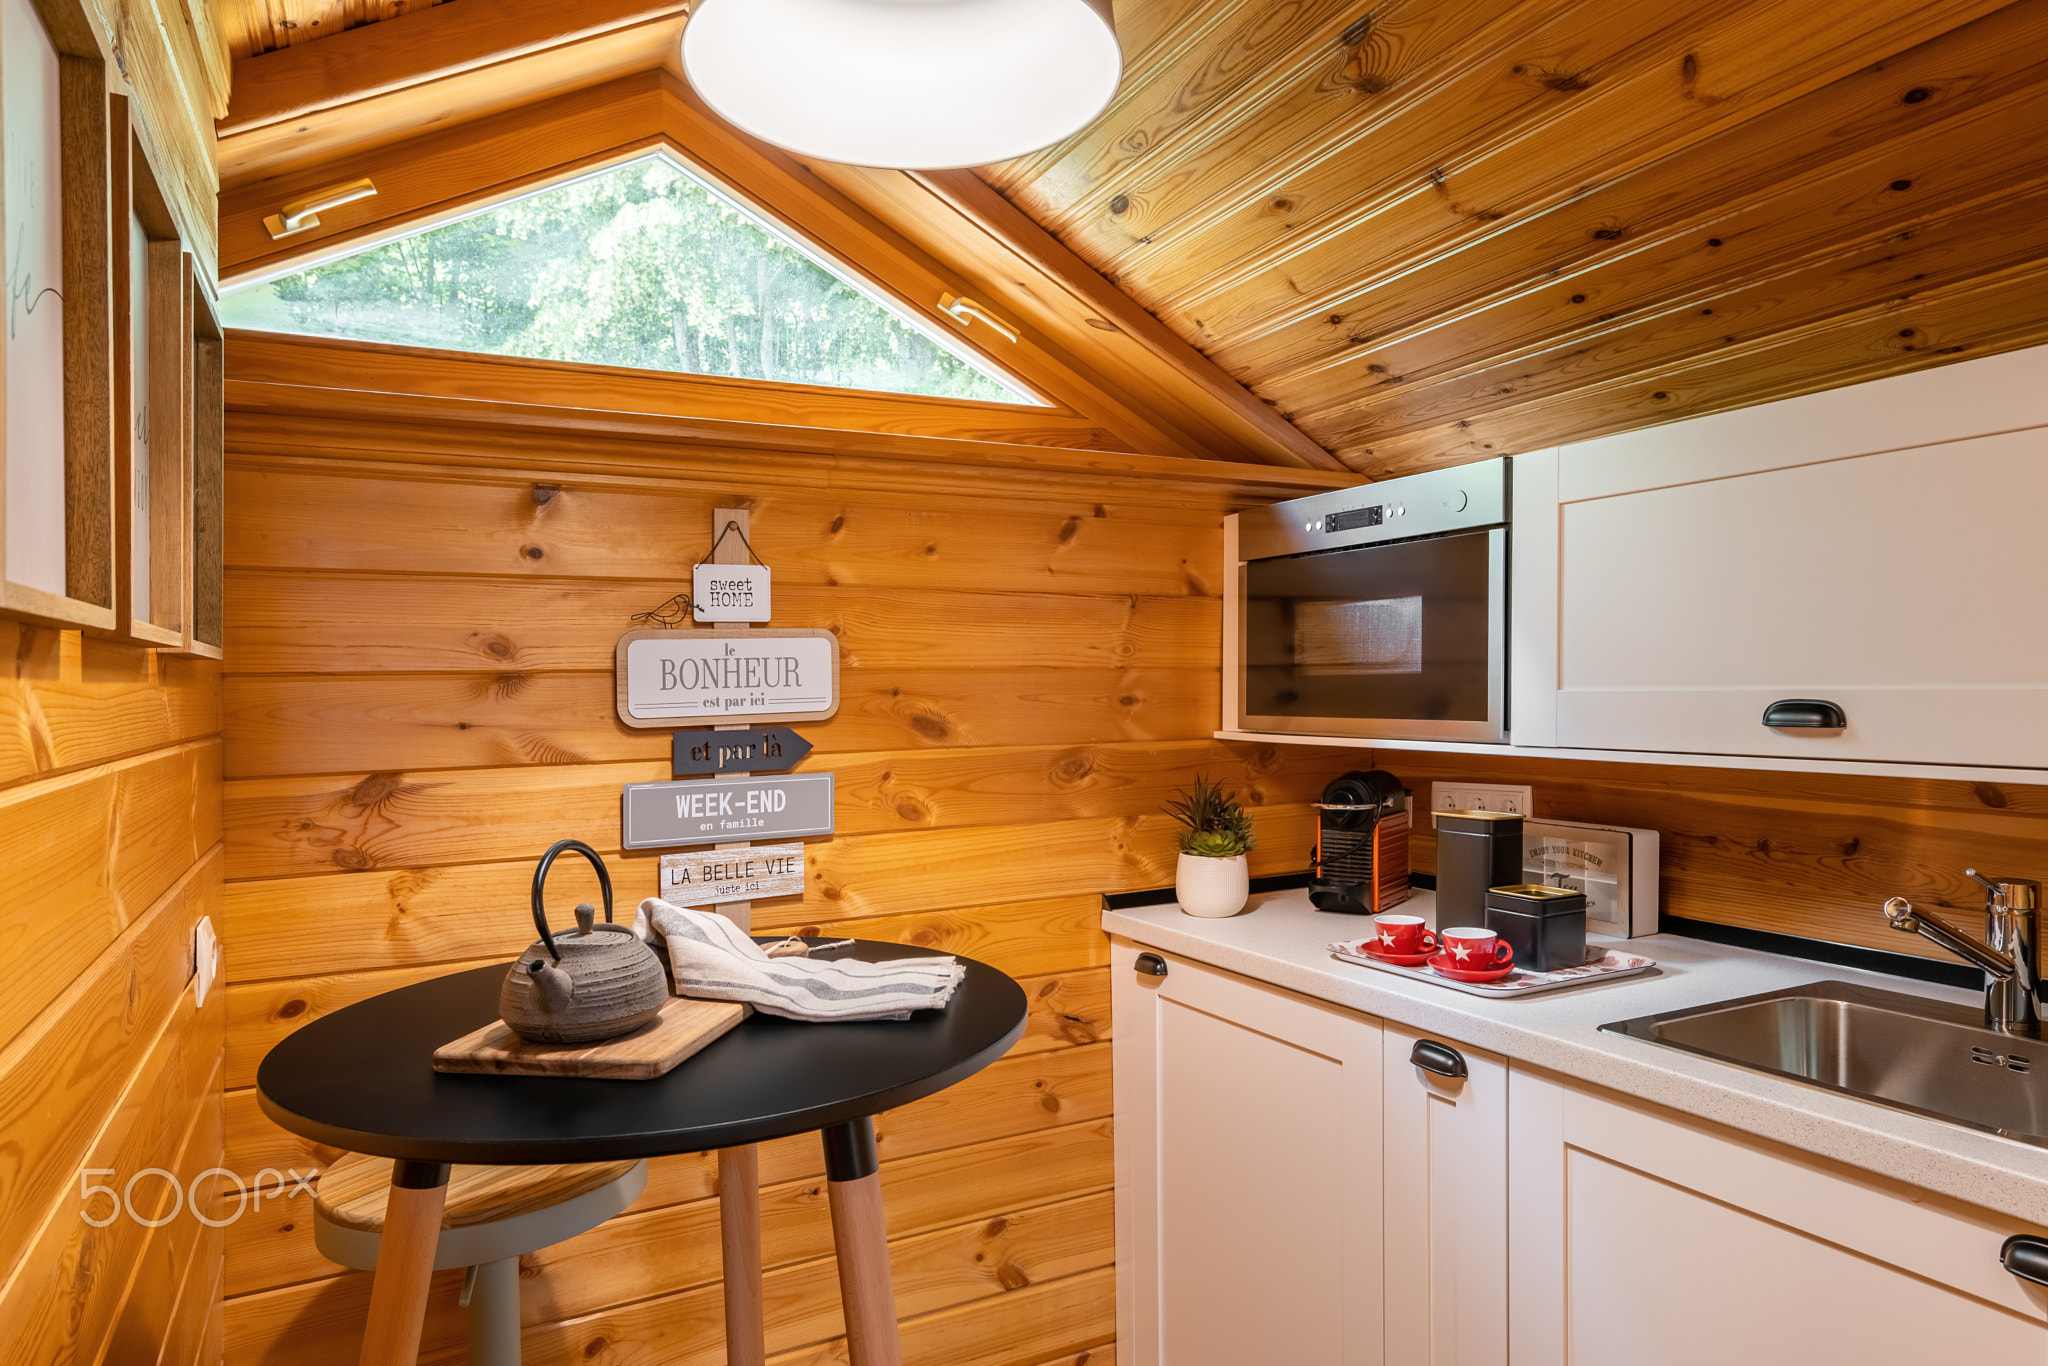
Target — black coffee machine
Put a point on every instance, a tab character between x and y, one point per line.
1360	862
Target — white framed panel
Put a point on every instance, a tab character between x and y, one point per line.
56	350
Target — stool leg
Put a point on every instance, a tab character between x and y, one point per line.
739	1228
405	1263
494	1314
860	1236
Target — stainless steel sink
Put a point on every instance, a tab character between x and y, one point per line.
1908	1052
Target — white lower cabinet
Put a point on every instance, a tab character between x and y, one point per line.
1248	1173
1445	1178
1639	1236
1297	1186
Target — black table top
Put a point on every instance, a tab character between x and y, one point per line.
362	1079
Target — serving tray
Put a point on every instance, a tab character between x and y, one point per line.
1601	965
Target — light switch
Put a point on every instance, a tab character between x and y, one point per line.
205	957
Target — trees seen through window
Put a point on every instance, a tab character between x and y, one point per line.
640	265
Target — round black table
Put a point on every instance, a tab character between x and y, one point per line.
362	1079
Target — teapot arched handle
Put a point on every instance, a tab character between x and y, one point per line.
540	879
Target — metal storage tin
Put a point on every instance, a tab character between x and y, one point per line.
1546	926
1475	850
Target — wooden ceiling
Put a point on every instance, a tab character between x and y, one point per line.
256	26
1425	231
1437	230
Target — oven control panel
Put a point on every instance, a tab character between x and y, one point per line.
1462	498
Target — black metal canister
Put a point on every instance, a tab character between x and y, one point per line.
1475	850
1546	926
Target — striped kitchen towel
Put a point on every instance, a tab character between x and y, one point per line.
713	959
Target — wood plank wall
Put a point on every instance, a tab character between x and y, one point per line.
110	802
1806	854
420	632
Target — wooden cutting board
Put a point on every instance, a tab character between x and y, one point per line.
683	1028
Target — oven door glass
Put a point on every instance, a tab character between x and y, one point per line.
1402	641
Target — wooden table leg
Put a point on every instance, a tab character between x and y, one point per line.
739	1228
860	1236
405	1263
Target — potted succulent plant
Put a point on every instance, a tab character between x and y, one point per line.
1211	877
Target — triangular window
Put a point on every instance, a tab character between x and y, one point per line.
642	264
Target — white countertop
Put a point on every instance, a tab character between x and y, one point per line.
1280	939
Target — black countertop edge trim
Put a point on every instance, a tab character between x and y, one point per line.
1826	951
1279	882
1163	896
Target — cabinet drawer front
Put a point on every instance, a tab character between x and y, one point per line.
1924	1236
1303	1023
1894	584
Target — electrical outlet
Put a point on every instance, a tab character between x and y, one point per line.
1480	797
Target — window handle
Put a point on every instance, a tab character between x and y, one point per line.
963	311
302	214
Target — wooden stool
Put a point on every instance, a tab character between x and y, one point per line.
492	1216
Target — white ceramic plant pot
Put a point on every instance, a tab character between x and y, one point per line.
1212	887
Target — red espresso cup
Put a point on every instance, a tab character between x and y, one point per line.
1402	936
1469	949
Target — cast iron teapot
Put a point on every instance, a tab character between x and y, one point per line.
593	983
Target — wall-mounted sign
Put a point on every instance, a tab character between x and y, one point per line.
725	810
753	750
729	592
709	876
671	678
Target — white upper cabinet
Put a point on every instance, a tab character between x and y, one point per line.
1876	547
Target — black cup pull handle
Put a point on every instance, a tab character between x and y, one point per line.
1440	1058
2026	1257
1151	964
1805	713
540	882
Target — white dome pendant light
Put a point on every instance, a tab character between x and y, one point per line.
914	84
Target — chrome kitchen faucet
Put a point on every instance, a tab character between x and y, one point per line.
2006	953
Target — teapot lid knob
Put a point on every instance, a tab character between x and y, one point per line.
586	916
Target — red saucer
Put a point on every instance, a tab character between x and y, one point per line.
1441	964
1402	960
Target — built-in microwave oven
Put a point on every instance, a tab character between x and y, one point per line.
1379	612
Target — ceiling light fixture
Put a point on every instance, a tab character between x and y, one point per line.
914	84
